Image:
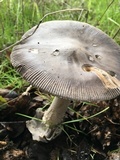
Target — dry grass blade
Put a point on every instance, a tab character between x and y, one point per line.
51	13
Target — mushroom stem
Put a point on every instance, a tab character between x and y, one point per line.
55	113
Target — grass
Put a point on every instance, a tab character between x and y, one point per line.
17	16
9	78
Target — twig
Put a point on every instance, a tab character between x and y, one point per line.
51	13
105	11
27	91
110	120
116	33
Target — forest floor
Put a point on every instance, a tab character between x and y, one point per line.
96	136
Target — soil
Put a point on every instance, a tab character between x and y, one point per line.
93	138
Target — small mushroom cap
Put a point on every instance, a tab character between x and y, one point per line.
70	59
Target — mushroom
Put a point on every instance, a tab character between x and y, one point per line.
71	60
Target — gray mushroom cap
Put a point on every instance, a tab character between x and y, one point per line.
70	59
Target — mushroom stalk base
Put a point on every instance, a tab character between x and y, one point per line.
48	128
